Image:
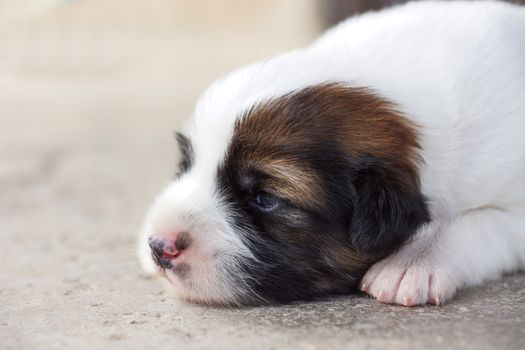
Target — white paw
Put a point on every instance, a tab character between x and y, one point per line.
409	281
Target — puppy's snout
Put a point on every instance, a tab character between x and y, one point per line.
165	249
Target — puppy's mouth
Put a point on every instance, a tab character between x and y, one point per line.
164	260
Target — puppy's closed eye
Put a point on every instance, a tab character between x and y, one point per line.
265	201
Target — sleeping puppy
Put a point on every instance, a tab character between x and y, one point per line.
388	156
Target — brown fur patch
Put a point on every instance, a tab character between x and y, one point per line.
341	257
357	120
290	180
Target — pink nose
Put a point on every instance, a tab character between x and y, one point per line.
166	249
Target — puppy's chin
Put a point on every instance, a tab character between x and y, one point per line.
210	290
197	280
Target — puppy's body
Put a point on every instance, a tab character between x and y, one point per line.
450	78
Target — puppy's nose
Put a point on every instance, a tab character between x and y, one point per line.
164	250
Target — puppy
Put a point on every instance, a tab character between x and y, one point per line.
388	156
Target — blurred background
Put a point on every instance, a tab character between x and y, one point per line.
102	74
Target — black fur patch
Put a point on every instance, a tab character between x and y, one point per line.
385	215
362	200
293	244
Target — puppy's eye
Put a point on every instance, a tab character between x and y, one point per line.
266	200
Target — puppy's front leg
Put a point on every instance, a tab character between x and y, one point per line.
476	246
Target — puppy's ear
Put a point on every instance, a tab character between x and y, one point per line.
185	151
388	211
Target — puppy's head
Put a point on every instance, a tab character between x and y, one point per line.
303	195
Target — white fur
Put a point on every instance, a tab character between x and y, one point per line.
457	69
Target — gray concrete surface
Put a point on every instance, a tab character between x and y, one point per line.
87	112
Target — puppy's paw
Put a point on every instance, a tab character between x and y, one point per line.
409	282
